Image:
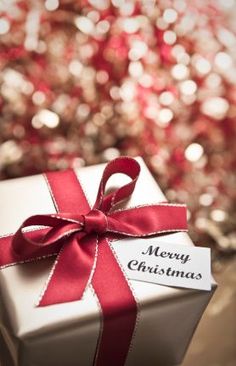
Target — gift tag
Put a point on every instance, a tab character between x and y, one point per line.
164	263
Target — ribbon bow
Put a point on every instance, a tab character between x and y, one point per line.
76	238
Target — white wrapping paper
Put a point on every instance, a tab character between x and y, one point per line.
67	334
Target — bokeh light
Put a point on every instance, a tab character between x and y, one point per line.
85	81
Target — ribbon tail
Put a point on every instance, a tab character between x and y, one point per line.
119	308
71	272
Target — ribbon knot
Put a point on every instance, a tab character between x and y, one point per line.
95	222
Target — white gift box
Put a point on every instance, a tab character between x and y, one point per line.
67	334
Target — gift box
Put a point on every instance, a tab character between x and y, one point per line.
83	332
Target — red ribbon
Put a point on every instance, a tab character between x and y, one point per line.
79	236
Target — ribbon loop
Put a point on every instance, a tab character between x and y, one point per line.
54	229
123	165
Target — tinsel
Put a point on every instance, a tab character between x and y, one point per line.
85	81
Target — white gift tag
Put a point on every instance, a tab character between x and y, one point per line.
164	263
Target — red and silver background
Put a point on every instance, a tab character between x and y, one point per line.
82	82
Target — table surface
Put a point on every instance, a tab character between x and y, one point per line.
214	343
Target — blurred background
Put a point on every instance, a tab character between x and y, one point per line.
82	82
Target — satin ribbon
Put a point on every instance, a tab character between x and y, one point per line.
79	238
